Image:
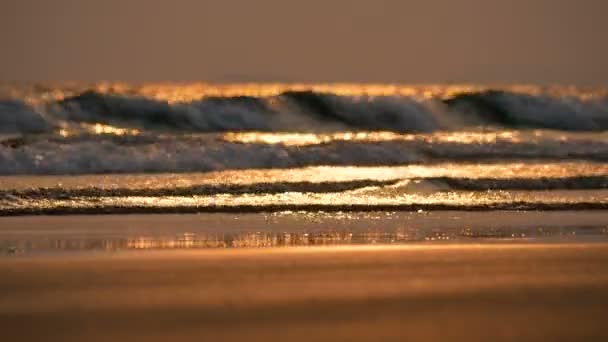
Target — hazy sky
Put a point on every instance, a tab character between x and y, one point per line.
411	41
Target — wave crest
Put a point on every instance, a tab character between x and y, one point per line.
527	111
298	111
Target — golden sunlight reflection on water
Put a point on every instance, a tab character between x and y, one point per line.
309	229
395	197
20	235
97	129
465	138
323	174
173	92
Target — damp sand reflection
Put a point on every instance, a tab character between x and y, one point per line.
294	229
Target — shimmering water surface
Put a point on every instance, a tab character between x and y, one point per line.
113	233
118	128
562	185
344	149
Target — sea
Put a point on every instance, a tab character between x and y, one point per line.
342	163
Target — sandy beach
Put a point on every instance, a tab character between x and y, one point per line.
473	292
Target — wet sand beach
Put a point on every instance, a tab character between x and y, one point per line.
436	292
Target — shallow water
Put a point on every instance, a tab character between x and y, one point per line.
115	233
109	148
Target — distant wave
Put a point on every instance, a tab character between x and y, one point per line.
209	115
66	134
529	111
320	111
314	112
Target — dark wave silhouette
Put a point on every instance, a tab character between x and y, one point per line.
209	115
321	112
528	111
17	117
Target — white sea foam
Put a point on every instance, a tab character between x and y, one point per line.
172	153
66	134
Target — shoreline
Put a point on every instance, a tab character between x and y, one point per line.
277	208
112	233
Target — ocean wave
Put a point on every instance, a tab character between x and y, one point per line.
209	115
17	117
424	185
542	183
385	113
196	190
298	111
104	132
306	110
532	111
92	154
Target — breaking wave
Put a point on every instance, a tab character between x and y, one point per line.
312	111
94	154
16	117
101	131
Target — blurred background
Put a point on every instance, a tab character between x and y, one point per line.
405	41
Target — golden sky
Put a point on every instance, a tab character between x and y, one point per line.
408	41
